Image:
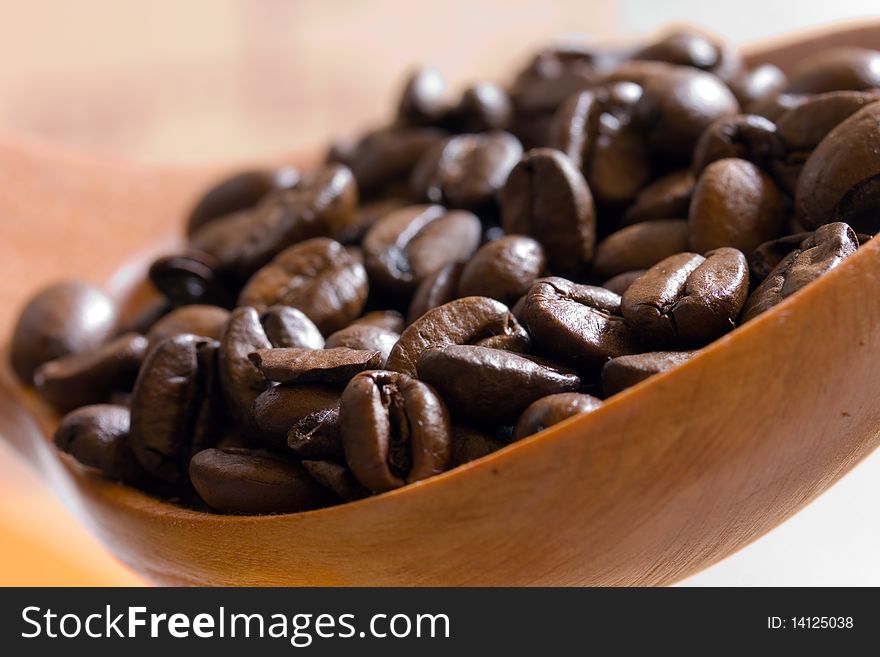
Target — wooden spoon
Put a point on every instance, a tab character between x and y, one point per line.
662	481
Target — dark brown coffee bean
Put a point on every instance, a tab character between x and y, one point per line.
841	179
735	204
252	481
190	278
207	321
821	252
390	320
668	197
805	126
97	436
317	435
289	327
626	371
836	69
743	136
463	321
467	170
368	337
640	246
62	319
395	430
620	283
483	107
239	192
334	365
547	198
504	269
759	84
277	409
579	325
410	244
435	290
174	406
552	409
769	254
240	380
366	217
91	377
688	299
424	99
337	478
470	444
490	386
319	277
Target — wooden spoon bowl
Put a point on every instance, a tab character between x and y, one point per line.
663	480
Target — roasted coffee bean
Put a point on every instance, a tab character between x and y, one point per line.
802	128
62	319
252	481
319	277
504	269
774	106
288	327
239	192
841	179
174	407
547	198
579	325
465	171
390	320
551	410
91	377
470	320
334	365
435	290
769	254
189	278
668	197
207	321
470	444
836	69
483	107
760	83
366	216
322	204
822	251
735	204
620	283
626	371
490	386
410	244
277	409
743	136
688	299
317	435
640	246
240	380
97	436
395	430
367	337
424	99
337	478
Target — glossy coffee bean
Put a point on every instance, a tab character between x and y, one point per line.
490	386
337	478
395	430
368	337
688	299
470	320
424	98
836	69
333	365
821	252
735	204
579	325
620	283
465	171
685	47
802	128
743	136
240	380
758	84
626	371
286	326
668	197
97	436
547	198
435	290
175	407
189	278
280	407
470	444
483	107
62	319
198	319
389	320
551	410
318	276
410	244
249	481
769	254
317	435
504	269
640	246
91	377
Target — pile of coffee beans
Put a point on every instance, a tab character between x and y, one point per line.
484	266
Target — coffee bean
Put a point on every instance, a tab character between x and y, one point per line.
317	435
802	128
822	251
240	380
836	69
761	83
483	107
97	436
250	481
688	299
91	377
435	290
626	371
189	278
735	204
410	244
464	321
395	430
620	283
389	320
62	319
490	386
368	337
318	276
547	198
337	478
743	136
334	365
769	254
470	444
553	409
423	101
685	47
504	269
207	321
640	246
668	197
277	409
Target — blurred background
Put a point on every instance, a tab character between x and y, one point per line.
224	80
